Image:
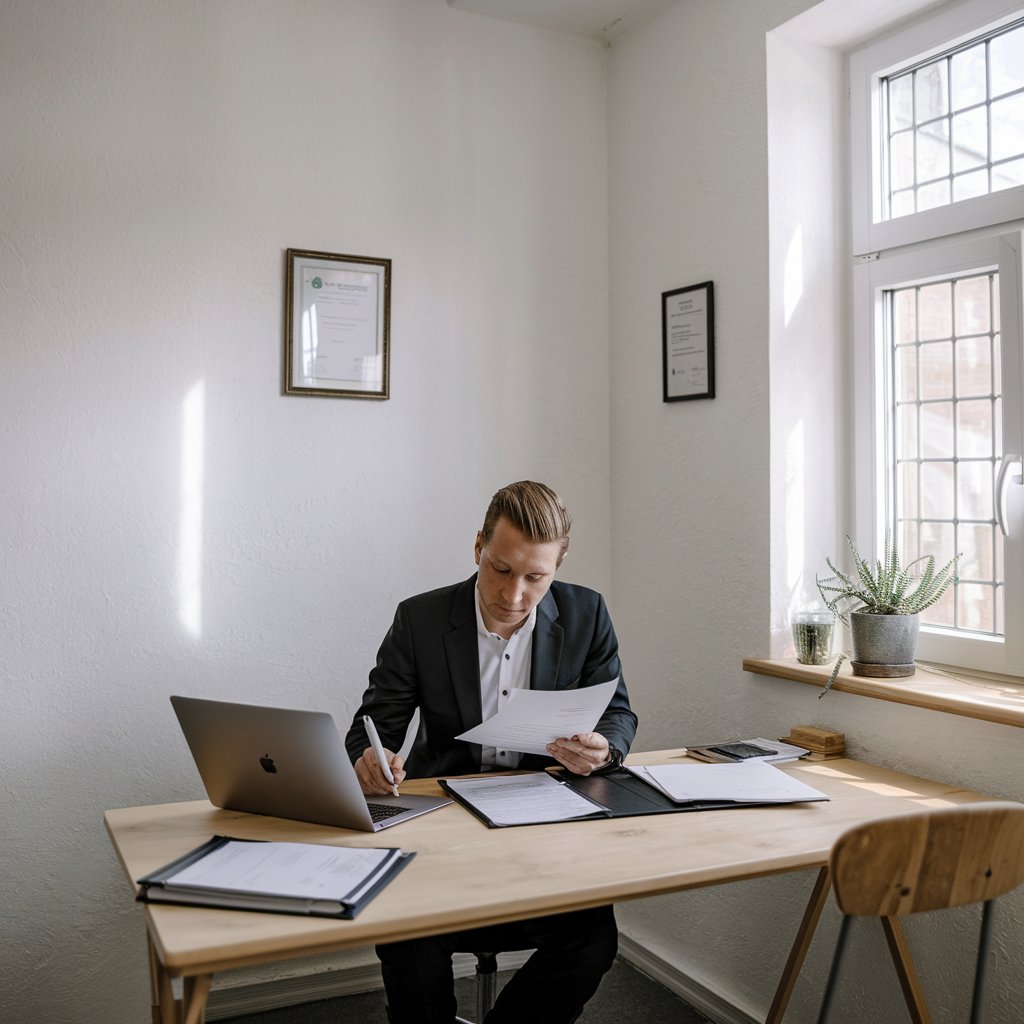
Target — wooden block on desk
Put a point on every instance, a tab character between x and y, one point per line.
823	742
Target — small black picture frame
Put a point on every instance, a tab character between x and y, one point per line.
688	342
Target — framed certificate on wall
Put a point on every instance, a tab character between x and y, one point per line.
688	342
337	325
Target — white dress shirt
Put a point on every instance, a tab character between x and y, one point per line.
504	667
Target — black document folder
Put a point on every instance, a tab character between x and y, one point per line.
623	795
249	874
615	794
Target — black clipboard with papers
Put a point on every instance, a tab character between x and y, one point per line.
302	865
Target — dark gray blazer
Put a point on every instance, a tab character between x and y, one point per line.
429	659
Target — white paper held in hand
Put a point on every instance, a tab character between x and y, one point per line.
534	718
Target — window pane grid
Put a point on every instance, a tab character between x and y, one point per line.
954	125
945	440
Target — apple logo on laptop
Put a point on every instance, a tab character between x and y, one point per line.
267	764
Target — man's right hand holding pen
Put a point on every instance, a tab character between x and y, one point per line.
379	770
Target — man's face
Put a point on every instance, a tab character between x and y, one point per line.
515	574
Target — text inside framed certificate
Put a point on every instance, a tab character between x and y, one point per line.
337	325
688	342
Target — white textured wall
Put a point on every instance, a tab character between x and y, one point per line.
157	160
690	480
717	525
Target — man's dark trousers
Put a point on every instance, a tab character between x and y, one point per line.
573	952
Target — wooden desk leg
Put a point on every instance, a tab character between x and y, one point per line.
801	944
165	1008
909	982
196	991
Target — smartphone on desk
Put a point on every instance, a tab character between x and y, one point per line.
741	751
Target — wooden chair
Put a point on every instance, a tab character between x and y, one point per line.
928	861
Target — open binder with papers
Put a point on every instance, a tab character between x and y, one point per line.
538	797
284	878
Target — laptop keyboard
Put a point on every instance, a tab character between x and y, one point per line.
381	812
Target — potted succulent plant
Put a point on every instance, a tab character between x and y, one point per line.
882	606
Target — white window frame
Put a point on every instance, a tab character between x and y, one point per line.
868	67
919	266
972	235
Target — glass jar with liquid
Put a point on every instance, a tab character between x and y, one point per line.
812	637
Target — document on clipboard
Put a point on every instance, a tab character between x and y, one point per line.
318	880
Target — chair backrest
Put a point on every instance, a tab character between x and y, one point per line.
930	860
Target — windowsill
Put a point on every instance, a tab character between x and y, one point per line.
992	700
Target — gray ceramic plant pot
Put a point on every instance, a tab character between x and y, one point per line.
883	645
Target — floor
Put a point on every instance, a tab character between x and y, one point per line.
623	993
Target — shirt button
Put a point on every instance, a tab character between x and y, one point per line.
508	657
504	693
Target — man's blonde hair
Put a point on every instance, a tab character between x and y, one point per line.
532	508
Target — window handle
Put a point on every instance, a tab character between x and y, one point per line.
1001	485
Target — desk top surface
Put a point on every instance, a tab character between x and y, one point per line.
466	875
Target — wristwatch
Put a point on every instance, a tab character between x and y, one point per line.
615	759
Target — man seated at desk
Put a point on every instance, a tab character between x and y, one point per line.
456	654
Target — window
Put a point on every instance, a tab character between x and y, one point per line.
943	348
937	127
937	137
954	125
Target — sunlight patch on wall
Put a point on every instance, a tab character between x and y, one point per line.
793	276
796	453
190	528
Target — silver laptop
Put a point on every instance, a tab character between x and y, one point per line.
291	764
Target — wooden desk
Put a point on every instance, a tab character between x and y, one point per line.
466	875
